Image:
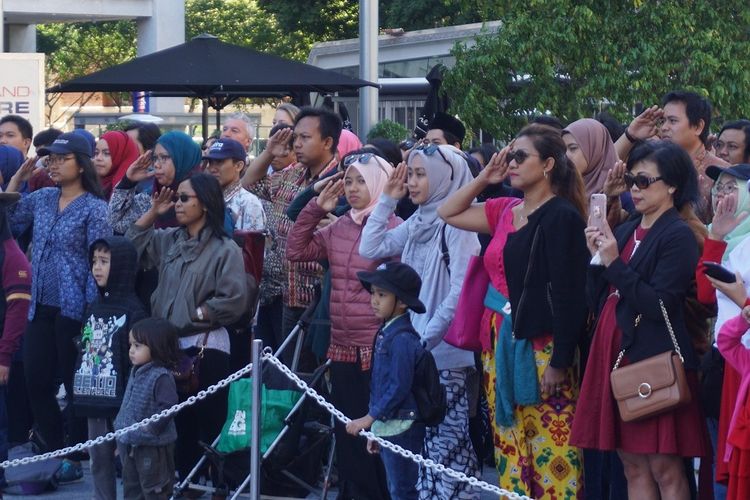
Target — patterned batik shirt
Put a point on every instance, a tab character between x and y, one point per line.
296	279
246	209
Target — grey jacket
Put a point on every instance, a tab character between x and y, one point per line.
202	271
440	290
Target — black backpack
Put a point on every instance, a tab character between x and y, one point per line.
428	392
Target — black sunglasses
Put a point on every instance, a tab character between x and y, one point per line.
640	181
363	158
406	145
183	197
431	149
519	155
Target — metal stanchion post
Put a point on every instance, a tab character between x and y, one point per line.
257	375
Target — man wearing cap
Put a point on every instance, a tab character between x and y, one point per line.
226	160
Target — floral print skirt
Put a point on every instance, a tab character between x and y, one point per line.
533	456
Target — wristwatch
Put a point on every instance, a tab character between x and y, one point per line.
199	313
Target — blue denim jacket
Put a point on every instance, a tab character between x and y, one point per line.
396	350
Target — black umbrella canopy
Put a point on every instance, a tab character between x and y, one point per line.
207	67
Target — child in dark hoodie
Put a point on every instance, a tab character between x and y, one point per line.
103	364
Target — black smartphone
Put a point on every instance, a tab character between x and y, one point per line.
717	271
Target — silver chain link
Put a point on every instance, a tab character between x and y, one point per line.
146	421
440	468
268	356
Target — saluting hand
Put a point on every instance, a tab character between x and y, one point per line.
396	185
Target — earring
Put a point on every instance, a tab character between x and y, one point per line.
546	175
671	190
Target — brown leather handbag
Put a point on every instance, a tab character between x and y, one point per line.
652	386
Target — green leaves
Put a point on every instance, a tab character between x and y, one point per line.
574	58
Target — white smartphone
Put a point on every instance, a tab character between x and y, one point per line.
598	211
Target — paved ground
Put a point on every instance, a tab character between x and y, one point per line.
81	490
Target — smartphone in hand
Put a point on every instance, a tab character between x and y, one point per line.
598	211
719	272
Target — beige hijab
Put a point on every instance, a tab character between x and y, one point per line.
599	150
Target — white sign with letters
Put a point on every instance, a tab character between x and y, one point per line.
22	87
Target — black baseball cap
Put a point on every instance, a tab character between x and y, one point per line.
740	171
67	143
225	147
399	279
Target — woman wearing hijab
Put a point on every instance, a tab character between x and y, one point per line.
175	157
593	153
353	323
10	161
534	309
434	173
115	151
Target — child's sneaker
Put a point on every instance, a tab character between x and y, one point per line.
69	471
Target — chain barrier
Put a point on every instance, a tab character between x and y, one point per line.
440	468
146	421
268	356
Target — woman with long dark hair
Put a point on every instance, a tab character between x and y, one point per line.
649	261
202	290
67	220
535	308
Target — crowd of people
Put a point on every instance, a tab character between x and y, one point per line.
126	284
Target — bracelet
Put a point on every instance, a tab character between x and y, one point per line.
630	137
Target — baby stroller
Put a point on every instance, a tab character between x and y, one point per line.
296	435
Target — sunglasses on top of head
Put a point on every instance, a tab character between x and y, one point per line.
430	149
363	158
641	181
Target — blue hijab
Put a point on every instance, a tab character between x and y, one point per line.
185	153
11	160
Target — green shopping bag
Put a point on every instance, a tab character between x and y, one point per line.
275	406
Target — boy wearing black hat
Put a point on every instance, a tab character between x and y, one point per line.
394	288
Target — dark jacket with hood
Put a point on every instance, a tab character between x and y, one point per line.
103	366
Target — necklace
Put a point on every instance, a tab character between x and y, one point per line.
524	216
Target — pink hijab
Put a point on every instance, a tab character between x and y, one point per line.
376	173
348	142
598	149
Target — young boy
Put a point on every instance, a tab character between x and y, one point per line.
103	366
394	288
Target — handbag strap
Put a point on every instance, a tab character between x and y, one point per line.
532	255
671	335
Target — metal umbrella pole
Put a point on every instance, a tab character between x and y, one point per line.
257	375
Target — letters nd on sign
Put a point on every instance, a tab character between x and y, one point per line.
22	87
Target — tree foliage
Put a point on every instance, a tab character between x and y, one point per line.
573	58
74	50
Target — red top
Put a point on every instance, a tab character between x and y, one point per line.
16	280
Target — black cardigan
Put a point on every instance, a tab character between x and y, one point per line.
662	268
555	300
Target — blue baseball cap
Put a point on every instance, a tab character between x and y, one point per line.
225	147
740	171
67	143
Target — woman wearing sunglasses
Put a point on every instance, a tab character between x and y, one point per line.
537	262
651	258
175	157
440	255
353	323
202	290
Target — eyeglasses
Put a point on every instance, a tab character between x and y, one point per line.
519	155
728	188
184	198
406	145
363	158
431	149
58	159
160	158
640	181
